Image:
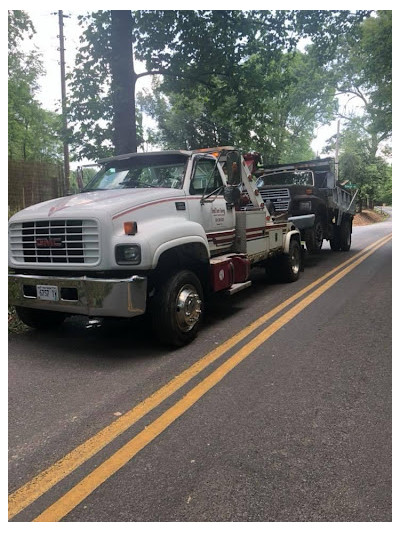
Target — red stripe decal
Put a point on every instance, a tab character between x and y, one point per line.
154	202
221	234
220	241
256	229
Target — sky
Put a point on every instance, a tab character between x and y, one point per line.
46	40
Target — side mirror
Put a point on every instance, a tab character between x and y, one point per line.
232	196
234	169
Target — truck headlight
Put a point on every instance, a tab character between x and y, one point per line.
128	254
305	206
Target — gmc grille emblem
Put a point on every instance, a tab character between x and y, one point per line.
49	242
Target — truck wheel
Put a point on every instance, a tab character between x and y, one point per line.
314	236
345	235
335	241
177	308
40	318
290	263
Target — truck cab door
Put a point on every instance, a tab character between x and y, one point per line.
208	208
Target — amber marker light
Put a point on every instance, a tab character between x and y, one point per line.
130	228
309	191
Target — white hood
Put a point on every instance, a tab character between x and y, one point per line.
93	203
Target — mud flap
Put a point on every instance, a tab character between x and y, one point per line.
302	257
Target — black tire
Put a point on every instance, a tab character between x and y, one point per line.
273	269
176	309
345	235
40	318
314	236
335	241
290	264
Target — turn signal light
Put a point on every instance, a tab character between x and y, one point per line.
309	191
130	228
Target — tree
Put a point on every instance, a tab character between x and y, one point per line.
183	122
123	82
376	49
189	49
371	175
365	73
101	106
32	131
273	110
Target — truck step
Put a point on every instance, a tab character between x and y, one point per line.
237	287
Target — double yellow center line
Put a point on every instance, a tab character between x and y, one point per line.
43	482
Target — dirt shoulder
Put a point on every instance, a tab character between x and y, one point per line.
368	216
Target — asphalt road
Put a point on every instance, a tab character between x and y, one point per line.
290	423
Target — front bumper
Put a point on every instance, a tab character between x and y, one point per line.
82	295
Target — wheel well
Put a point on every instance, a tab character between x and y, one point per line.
322	214
191	256
296	237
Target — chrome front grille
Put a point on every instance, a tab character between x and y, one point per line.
279	197
55	241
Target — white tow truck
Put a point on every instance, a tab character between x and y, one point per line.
152	232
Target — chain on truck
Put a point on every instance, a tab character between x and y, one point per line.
151	233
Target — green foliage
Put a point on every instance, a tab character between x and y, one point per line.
273	110
89	102
90	106
32	131
364	71
371	174
384	192
227	76
376	46
254	90
187	122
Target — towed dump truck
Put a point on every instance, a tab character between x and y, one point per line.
310	188
151	233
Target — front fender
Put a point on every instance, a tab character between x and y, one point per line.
164	234
303	221
179	242
289	236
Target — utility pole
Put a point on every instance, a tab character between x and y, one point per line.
61	17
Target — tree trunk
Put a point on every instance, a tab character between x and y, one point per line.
123	83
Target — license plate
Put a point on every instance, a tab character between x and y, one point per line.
47	292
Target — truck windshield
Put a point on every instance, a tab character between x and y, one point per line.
138	172
297	177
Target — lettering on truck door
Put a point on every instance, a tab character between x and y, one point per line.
218	221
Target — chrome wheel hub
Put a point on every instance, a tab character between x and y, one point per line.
295	261
188	307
